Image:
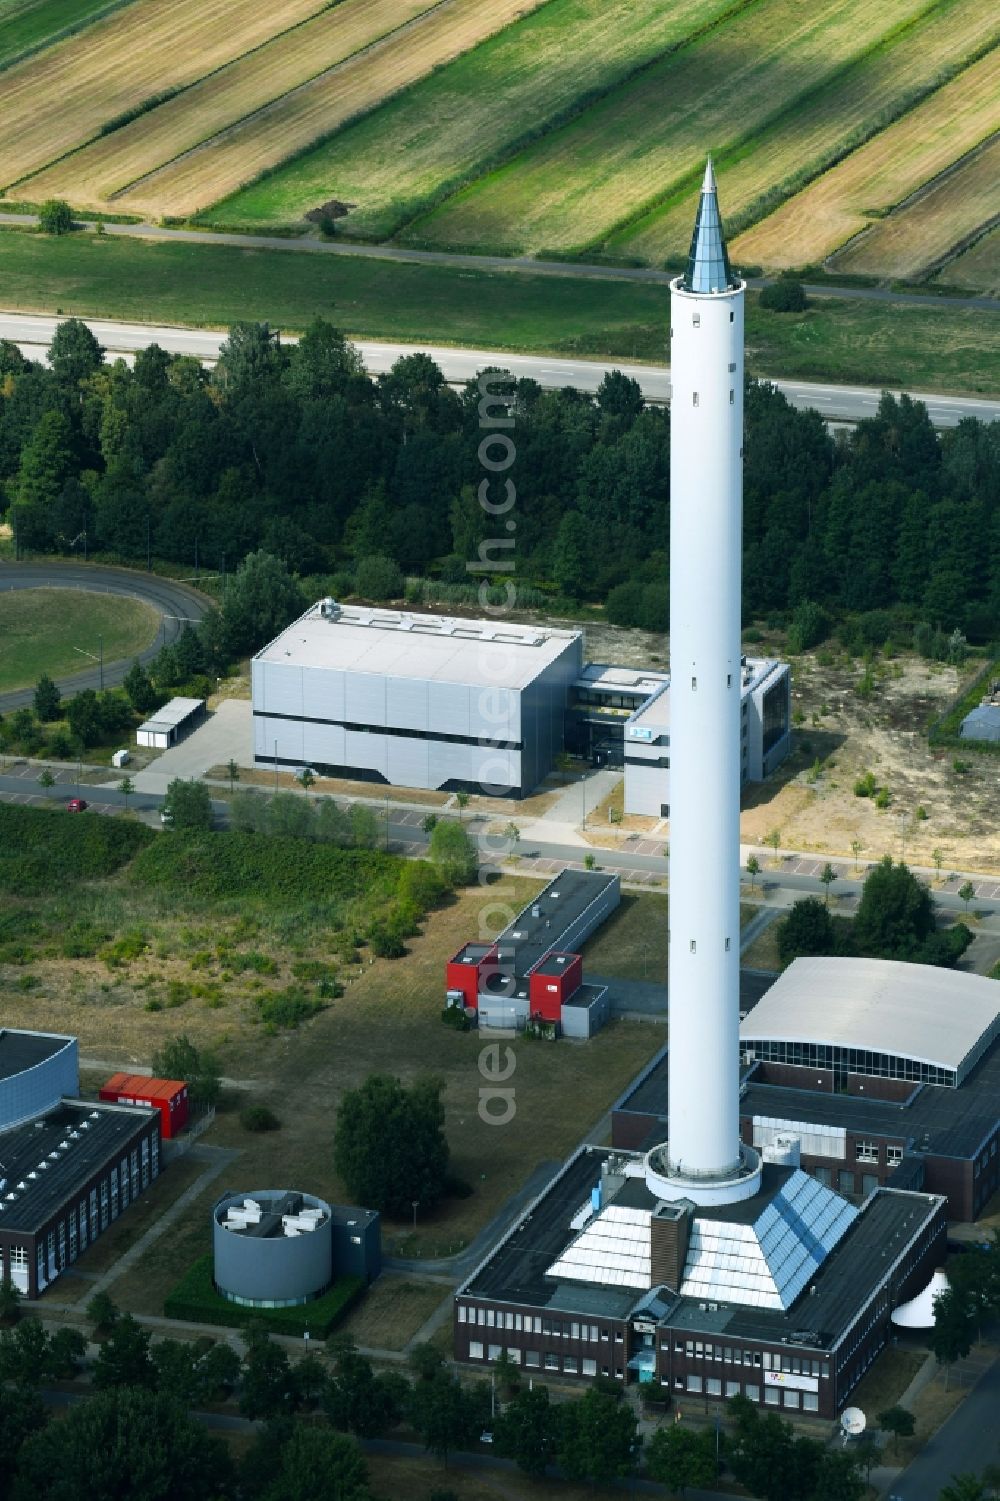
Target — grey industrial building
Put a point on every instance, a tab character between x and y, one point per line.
439	702
276	1248
765	736
415	700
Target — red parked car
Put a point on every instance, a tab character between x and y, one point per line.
76	805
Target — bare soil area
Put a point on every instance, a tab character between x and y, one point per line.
938	801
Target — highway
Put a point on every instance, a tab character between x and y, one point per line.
32	333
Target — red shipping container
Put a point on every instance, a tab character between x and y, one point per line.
168	1096
552	981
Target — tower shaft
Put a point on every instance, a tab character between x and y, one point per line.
706	523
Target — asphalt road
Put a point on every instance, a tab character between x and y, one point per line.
173	602
32	332
967	1442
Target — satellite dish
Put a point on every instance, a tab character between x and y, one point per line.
852	1422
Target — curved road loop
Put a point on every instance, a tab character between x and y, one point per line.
173	602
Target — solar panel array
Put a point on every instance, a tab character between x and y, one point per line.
768	1264
613	1250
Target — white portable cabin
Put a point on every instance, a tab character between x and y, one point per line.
165	727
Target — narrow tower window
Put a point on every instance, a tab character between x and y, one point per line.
732	396
732	368
729	680
696	320
694	946
694	685
727	945
731	316
694	398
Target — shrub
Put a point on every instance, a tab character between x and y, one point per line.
866	785
379	578
259	1118
45	849
287	1008
784	296
883	797
454	1016
55	217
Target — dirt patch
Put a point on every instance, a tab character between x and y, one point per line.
941	808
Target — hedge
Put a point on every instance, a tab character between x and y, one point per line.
945	730
196	1301
46	849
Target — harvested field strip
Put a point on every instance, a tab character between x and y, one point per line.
35	24
978	269
917	238
144	50
770	164
479	107
836	205
95	174
572	188
291	124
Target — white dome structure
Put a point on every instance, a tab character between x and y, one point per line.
918	1313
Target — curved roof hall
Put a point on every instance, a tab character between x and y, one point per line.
942	1017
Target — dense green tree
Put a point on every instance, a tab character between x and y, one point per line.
102	1311
679	1457
444	1414
178	1058
807	931
964	1487
267	1386
48	700
378	578
22	1414
124	1445
390	1147
47	462
954	1327
123	1359
895	914
899	1421
66	1353
598	1438
55	217
784	296
320	1465
187	805
527	1431
75	353
262	598
139	690
83	715
359	1401
454	852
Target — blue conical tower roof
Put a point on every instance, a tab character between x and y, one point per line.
708	268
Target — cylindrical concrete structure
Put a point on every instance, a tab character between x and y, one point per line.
272	1247
706	525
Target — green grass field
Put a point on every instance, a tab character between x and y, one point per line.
480	106
932	349
27	24
39	629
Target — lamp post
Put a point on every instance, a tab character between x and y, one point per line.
416	1206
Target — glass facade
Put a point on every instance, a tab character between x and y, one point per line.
844	1061
775	714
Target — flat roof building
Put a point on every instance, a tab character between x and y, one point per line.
64	1177
597	1276
166	726
412	700
765	736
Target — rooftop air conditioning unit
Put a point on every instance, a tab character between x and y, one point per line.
329	609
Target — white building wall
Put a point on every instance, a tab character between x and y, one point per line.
706	519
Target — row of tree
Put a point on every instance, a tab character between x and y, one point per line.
895	920
294	450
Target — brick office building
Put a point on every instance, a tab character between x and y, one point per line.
591	1280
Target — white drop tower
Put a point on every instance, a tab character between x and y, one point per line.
703	1159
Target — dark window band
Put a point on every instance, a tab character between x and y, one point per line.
388	729
661	761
